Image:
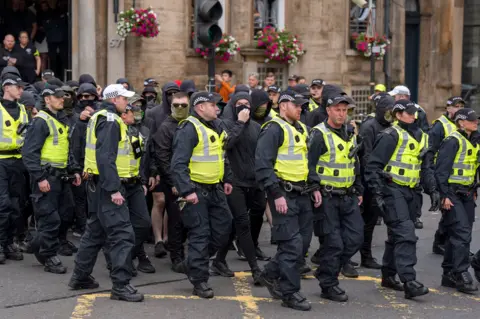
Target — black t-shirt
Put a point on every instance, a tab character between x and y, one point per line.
28	55
17	21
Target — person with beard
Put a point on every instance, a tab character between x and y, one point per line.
316	89
369	131
456	174
281	169
442	128
13	124
246	197
157	115
399	161
46	155
163	141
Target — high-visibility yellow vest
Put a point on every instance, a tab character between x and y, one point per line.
312	105
9	139
291	163
448	126
55	148
207	163
466	161
405	165
334	167
273	114
124	153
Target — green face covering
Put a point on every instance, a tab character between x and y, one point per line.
68	106
180	113
260	112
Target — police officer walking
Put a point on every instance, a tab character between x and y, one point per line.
202	178
337	222
13	122
316	89
397	164
46	156
281	166
107	161
455	172
441	128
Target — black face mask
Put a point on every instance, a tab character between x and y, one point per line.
67	106
150	99
85	103
240	108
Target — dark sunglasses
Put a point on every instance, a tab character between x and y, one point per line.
85	96
177	105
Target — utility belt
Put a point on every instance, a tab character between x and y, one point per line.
207	188
330	191
60	173
299	187
124	180
462	190
11	152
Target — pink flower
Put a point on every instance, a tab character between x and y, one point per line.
362	46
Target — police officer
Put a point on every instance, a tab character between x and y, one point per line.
13	122
441	128
316	89
107	161
455	172
46	156
398	163
274	93
281	166
369	131
337	222
202	178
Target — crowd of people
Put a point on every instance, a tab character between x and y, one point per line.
178	166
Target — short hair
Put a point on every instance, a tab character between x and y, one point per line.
300	77
254	74
230	73
22	32
180	95
270	74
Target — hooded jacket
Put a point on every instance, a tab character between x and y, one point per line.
260	97
160	112
241	143
188	86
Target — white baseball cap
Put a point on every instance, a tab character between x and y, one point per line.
114	90
400	89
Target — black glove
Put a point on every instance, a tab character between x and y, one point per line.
379	202
435	199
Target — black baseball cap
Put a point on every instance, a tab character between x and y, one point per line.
292	78
53	90
454	100
318	82
404	106
149	89
290	96
383	100
273	88
339	99
302	89
11	79
241	88
48	74
201	97
465	114
150	82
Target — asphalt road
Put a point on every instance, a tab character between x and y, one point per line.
26	291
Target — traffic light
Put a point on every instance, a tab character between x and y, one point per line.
207	31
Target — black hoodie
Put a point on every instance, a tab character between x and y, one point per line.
160	112
260	97
241	143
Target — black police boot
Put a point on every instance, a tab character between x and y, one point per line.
256	273
144	264
392	283
414	289
418	223
78	283
54	265
160	250
203	290
476	267
179	266
261	255
316	257
465	283
220	268
334	293
353	263
3	258
448	280
348	271
65	249
25	247
304	269
126	293
297	301
13	253
240	253
370	263
272	286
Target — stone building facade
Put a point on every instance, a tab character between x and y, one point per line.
322	25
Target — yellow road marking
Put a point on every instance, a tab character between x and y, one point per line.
243	290
84	307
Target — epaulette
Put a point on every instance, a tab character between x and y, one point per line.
389	130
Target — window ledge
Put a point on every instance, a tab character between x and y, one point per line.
252	51
351	52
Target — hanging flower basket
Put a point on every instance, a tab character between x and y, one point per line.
364	45
138	22
225	49
280	46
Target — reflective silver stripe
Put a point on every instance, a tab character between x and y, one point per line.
404	165
463	166
447	125
335	165
461	178
133	162
206	157
402	148
337	179
54	164
463	153
404	178
52	126
331	143
291	156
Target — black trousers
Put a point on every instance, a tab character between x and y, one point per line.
12	186
339	225
176	232
53	215
139	216
293	232
400	254
370	216
26	211
241	201
80	197
458	222
107	222
209	223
